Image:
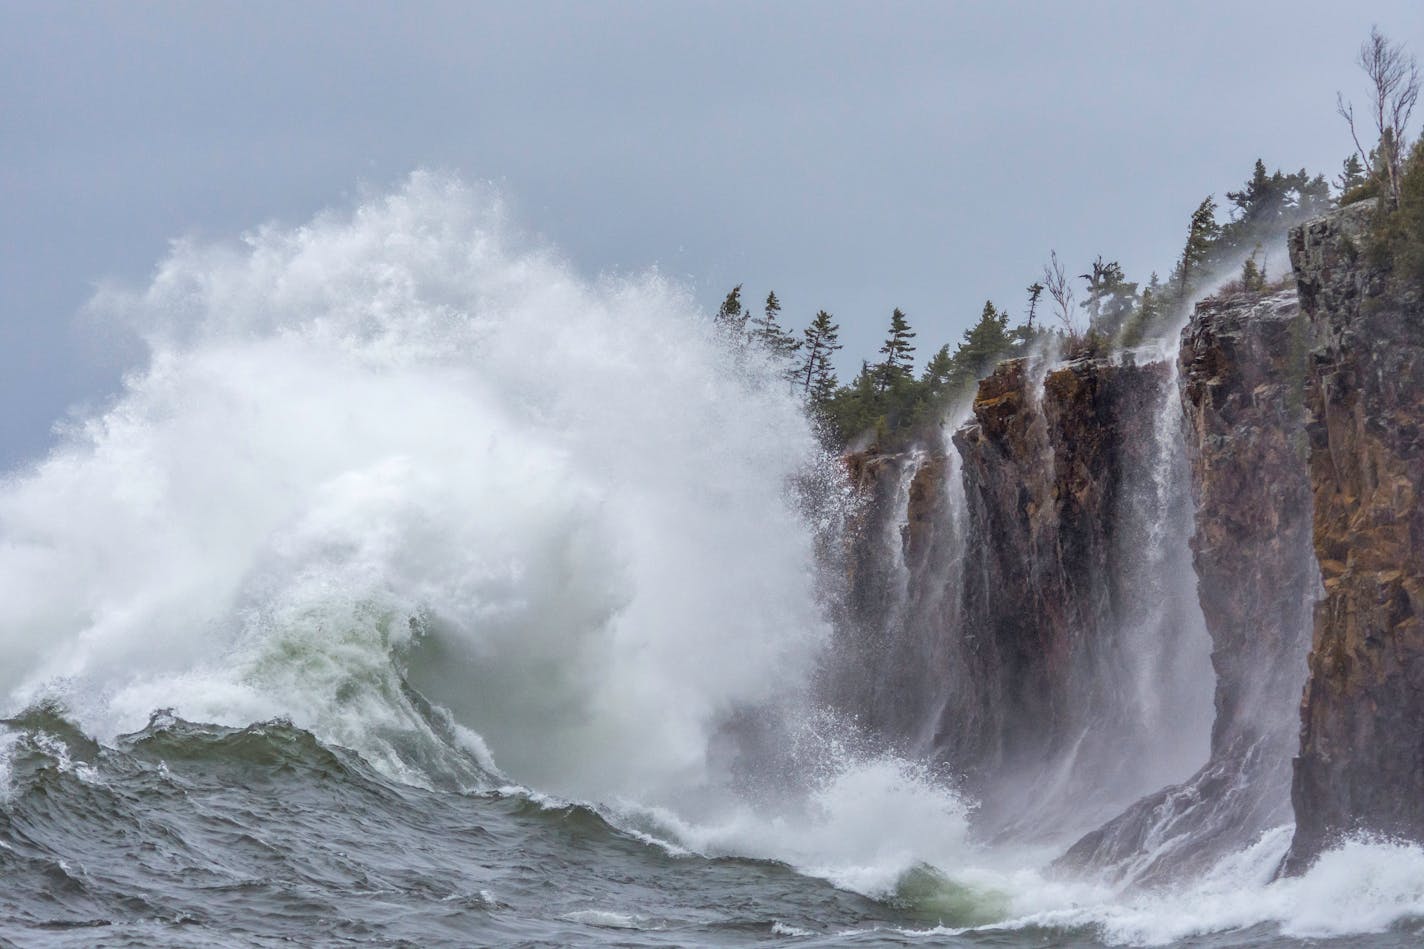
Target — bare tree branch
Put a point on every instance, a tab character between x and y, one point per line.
1055	280
1394	81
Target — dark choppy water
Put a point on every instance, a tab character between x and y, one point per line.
458	513
192	835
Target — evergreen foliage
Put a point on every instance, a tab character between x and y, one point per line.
885	401
1035	291
767	331
985	343
899	353
887	405
1202	232
1253	278
1112	298
731	319
1267	206
816	374
1351	179
1397	242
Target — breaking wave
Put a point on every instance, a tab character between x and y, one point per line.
399	490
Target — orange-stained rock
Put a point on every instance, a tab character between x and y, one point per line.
1242	370
1361	763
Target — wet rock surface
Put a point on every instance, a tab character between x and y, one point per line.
1241	367
997	587
1361	763
1045	466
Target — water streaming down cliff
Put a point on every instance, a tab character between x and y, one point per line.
477	591
1076	678
1242	363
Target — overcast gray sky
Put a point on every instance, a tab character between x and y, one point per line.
855	157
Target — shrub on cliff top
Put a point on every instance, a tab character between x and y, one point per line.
1399	234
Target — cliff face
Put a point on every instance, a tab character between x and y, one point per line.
1007	599
903	593
1361	764
1241	368
1042	479
1015	600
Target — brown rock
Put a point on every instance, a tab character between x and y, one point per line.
1361	763
1241	368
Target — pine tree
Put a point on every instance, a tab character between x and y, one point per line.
1266	207
1253	278
731	318
1352	176
938	372
1111	297
899	352
820	340
1202	232
1151	307
1035	290
985	343
767	330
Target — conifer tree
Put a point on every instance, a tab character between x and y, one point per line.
731	318
1266	207
767	330
899	352
1253	278
1151	307
938	372
1035	290
1352	176
1111	296
820	341
985	343
1202	231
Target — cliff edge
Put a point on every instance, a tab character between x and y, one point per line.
1361	763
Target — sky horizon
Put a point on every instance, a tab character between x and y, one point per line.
853	158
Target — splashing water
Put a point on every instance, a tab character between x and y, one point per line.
409	484
391	440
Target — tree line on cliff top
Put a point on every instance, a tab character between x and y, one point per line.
887	403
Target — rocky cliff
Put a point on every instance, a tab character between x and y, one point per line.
1361	764
1046	467
902	594
1004	611
1242	370
1027	614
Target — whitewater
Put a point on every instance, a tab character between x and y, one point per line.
417	590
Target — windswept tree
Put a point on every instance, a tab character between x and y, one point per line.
899	353
1202	232
731	317
819	343
1253	277
1266	207
1035	290
1111	296
1394	89
985	343
939	372
769	333
1352	176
